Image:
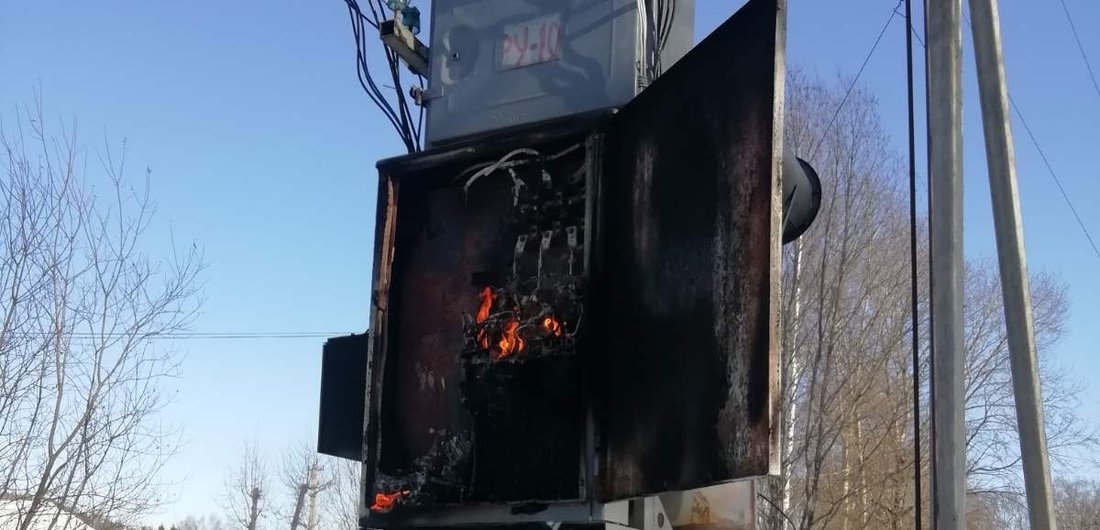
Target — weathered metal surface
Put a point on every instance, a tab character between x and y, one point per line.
729	506
688	267
343	395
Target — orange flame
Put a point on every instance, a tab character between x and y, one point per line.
552	325
510	342
384	502
486	297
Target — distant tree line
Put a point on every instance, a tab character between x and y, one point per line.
846	401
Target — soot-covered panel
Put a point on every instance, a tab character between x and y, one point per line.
688	267
479	400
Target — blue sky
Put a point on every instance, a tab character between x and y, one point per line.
262	147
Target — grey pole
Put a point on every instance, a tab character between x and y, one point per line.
1000	156
944	56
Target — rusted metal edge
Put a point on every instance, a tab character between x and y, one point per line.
501	140
385	230
776	271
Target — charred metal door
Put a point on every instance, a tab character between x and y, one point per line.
688	267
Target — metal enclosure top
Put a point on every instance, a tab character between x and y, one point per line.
501	63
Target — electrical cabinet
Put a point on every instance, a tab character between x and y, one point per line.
497	64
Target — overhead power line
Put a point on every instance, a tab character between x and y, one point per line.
914	277
1081	47
1053	175
1042	155
852	85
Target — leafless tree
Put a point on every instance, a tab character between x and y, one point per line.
845	318
305	479
845	401
993	461
994	511
316	492
209	522
81	307
1077	503
247	491
340	503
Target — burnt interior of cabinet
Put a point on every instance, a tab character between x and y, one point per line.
479	390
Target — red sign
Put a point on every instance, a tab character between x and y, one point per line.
532	42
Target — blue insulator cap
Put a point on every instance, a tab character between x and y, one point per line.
410	17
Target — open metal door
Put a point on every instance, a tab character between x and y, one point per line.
686	306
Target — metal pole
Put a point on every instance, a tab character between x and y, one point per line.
944	31
1001	158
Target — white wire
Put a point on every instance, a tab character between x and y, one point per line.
642	51
505	163
497	165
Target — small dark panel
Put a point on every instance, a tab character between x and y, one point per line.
343	386
685	275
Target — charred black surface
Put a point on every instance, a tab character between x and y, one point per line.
478	393
685	276
492	340
524	419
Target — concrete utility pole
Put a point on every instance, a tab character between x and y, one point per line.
944	31
1001	158
314	486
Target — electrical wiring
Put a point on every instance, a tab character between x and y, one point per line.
641	45
403	104
497	165
508	164
363	71
420	111
666	15
394	107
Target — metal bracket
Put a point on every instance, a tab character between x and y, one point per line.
648	513
521	245
399	39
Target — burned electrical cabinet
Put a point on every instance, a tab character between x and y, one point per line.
587	311
481	306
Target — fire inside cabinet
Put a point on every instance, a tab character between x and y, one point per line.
480	299
585	311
